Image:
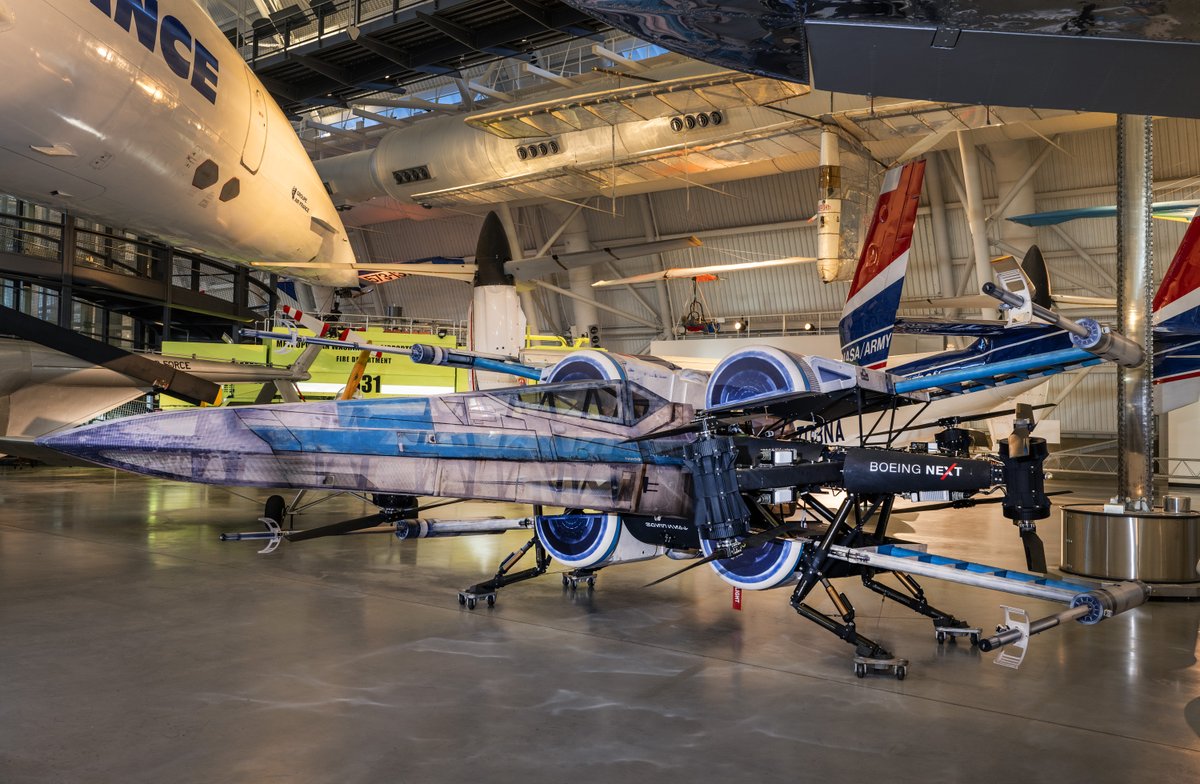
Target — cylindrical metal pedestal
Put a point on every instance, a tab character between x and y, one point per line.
1155	547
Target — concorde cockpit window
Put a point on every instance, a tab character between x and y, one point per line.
613	401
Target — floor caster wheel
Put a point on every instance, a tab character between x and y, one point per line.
591	582
901	672
975	640
860	671
491	600
462	599
471	603
941	637
566	581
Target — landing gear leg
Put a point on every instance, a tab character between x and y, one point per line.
869	655
945	625
504	576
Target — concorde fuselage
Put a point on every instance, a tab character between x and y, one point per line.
141	114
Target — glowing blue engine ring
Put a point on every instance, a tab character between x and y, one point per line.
758	568
585	365
579	540
756	372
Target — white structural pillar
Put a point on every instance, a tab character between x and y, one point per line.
1013	163
941	232
1135	295
575	239
660	286
973	190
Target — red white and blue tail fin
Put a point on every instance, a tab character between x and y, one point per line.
874	299
1177	303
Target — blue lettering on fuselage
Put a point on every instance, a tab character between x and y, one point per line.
185	56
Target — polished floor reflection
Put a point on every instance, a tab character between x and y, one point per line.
134	646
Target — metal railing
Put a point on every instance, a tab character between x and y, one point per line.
362	321
1100	459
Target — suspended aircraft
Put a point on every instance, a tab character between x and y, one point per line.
936	49
665	464
144	116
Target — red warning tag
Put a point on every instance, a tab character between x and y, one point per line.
737	598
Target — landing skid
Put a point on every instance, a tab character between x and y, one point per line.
487	590
847	529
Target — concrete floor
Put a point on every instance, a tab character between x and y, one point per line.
136	647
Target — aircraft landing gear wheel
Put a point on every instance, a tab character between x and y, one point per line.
274	508
901	672
860	670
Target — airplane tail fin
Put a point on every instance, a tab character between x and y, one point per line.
1177	302
874	299
1034	266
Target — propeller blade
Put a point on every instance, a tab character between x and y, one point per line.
335	529
754	540
1035	550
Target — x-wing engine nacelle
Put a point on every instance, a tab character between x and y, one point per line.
663	378
590	541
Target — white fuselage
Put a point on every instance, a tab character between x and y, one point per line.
150	121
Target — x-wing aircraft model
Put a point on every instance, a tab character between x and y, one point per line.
143	115
616	436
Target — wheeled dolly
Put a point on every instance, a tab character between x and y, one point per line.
574	579
898	667
952	633
487	589
470	598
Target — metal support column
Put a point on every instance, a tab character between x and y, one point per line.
1135	295
1137	542
973	190
66	298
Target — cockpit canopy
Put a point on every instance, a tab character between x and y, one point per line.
621	402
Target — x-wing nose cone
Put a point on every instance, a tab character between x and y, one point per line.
491	252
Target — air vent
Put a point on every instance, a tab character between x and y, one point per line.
539	149
688	122
411	174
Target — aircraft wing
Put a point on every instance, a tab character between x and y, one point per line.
645	101
1166	210
984	301
526	269
686	161
971	328
521	269
394	270
712	269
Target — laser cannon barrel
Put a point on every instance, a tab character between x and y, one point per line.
1085	333
424	354
1087	608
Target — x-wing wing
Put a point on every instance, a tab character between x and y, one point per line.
659	474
